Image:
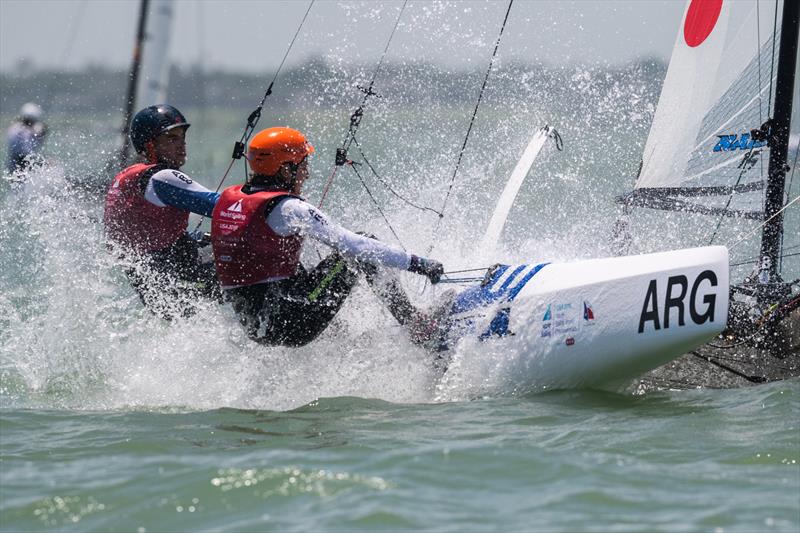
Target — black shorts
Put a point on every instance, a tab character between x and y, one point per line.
294	311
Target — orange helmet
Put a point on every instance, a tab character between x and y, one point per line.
272	147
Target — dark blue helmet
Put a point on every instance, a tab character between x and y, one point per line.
152	121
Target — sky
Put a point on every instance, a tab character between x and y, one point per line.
253	35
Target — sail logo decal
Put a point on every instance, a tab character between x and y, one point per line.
236	207
729	143
701	17
677	289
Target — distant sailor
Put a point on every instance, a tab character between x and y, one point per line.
257	233
147	211
25	139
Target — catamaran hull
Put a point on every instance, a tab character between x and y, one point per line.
597	322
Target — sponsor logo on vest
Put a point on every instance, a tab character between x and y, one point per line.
234	211
675	298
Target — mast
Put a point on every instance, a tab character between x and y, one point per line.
778	143
133	78
154	72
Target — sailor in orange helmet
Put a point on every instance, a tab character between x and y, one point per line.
257	232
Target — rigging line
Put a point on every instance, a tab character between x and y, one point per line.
471	123
386	184
753	261
781	210
385	51
467	270
252	120
758	58
378	207
461	280
772	71
358	114
744	164
788	192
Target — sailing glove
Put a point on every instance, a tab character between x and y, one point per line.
427	267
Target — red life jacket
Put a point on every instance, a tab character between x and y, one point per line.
134	222
246	250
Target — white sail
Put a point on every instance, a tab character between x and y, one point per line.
717	89
154	77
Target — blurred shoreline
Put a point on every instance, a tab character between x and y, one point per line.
315	83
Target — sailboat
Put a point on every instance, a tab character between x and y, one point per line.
149	70
717	150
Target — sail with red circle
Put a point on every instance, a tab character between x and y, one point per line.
700	155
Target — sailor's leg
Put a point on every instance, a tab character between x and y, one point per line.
315	298
388	289
294	311
155	285
249	303
200	278
427	328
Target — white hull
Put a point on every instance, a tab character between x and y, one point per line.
597	322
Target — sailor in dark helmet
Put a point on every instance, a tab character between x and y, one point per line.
25	138
257	232
147	212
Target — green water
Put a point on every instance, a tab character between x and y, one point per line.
113	420
571	461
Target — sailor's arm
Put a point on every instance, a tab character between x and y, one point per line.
174	188
293	216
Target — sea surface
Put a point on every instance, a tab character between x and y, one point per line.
699	460
114	420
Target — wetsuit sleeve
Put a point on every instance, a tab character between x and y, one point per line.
174	188
293	216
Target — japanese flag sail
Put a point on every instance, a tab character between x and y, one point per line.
717	89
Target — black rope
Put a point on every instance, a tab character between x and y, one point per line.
471	123
386	184
358	114
378	207
255	116
744	165
754	260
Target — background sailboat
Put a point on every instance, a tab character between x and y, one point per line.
718	148
148	79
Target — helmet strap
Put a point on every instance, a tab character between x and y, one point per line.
150	152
